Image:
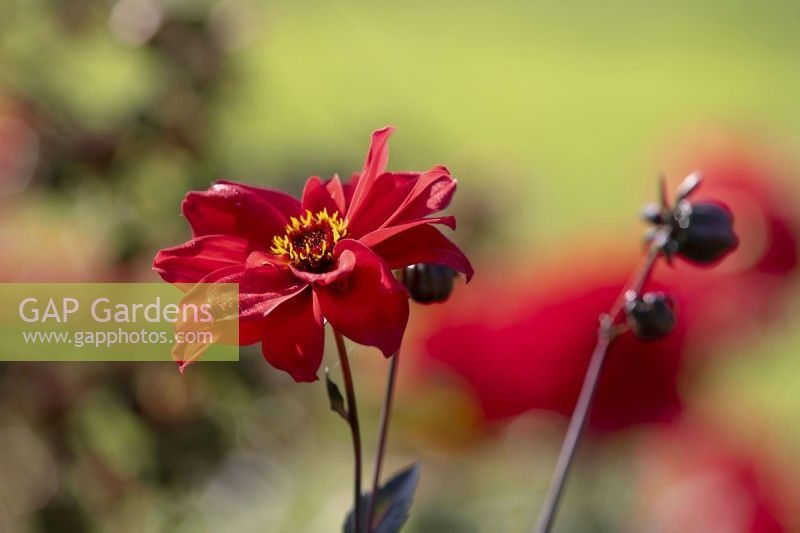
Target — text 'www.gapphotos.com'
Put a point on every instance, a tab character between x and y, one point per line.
106	339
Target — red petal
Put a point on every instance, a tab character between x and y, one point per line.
386	196
328	195
423	244
224	327
260	259
293	337
226	208
192	261
262	285
260	290
374	165
338	192
249	332
378	236
432	193
370	306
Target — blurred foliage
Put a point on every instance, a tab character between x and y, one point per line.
555	116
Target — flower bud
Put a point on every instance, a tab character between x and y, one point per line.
704	231
428	283
701	232
650	316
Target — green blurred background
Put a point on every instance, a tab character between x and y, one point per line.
555	117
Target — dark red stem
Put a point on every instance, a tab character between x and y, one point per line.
605	337
383	433
352	419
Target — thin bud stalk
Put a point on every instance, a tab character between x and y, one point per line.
605	338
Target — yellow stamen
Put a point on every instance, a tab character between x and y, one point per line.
309	239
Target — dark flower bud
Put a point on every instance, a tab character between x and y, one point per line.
703	231
650	316
428	283
698	231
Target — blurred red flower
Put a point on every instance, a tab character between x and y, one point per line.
327	257
535	356
692	478
533	353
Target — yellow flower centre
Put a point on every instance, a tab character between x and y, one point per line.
309	240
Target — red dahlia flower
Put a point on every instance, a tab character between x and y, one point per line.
328	256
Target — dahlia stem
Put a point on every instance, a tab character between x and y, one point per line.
606	335
383	432
352	419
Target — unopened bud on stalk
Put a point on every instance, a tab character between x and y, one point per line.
704	231
650	316
698	231
428	283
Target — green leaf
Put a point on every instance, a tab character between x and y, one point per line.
392	505
335	397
